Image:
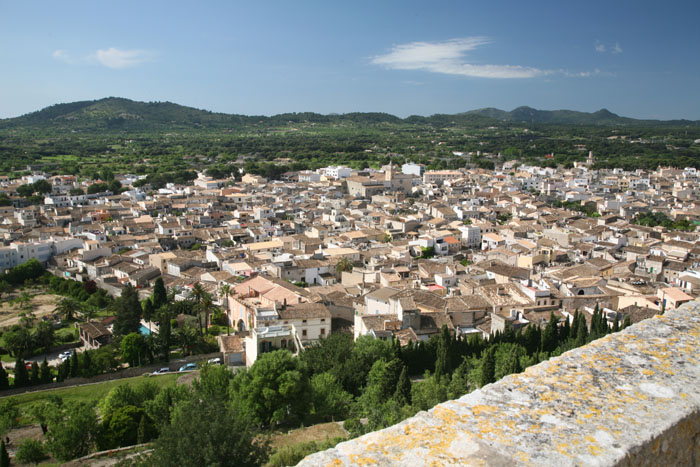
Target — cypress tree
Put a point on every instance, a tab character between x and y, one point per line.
549	336
160	295
141	431
4	380
127	312
564	331
45	372
594	333
86	365
74	364
4	455
582	332
442	362
34	378
487	370
403	389
627	322
574	325
616	324
148	309
21	375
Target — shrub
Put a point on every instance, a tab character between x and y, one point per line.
30	451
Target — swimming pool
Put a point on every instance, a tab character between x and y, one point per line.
144	330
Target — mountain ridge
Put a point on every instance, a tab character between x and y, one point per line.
115	113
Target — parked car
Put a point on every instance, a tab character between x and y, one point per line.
160	371
65	355
214	361
188	367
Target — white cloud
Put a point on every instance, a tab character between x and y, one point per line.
602	48
59	54
118	59
448	57
63	56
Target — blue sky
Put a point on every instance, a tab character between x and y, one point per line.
636	58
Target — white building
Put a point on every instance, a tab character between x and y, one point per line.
411	168
337	171
438	177
471	236
19	253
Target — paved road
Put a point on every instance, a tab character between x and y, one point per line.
51	357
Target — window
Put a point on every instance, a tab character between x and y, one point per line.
303	333
323	320
303	321
323	331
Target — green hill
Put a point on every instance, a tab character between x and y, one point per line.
119	114
602	117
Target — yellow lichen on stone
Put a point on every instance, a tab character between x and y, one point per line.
362	460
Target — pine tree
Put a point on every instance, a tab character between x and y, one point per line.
74	364
34	375
21	375
4	380
403	389
45	372
4	455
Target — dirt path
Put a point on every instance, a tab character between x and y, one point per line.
41	305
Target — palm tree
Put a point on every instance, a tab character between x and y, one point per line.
67	307
187	338
206	306
199	294
344	265
225	292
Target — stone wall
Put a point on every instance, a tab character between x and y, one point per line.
629	399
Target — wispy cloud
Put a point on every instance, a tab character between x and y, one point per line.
450	57
59	54
118	58
63	56
602	48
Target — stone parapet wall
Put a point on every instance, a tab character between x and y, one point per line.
630	399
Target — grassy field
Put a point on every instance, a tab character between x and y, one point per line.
89	392
319	433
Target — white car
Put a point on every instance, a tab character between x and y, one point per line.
214	361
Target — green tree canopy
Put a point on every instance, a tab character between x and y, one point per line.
205	432
273	391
